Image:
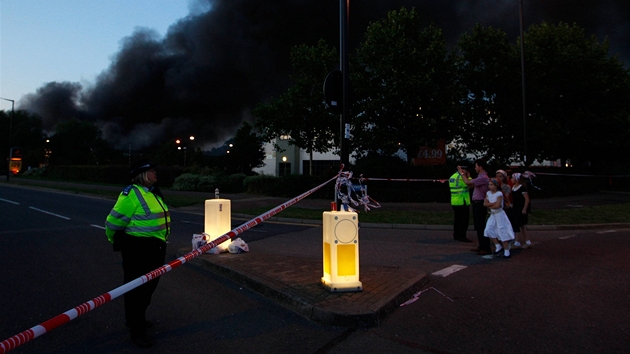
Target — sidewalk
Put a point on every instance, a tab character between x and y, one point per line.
290	275
288	269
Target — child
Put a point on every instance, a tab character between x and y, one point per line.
520	210
505	187
498	226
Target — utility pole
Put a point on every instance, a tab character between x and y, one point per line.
344	6
9	140
525	162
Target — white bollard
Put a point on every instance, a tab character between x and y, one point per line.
218	219
341	251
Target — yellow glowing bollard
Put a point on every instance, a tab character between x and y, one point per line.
218	219
341	251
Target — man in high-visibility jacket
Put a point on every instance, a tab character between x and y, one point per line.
460	201
138	226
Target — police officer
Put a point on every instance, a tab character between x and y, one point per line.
138	226
460	201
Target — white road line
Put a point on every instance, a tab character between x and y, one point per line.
566	237
449	270
98	226
9	201
49	213
191	222
607	231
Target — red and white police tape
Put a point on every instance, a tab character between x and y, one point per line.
404	179
47	326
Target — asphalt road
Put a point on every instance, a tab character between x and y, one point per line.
568	294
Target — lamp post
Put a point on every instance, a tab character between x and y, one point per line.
192	138
10	129
525	162
344	6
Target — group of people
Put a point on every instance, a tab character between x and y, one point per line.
507	201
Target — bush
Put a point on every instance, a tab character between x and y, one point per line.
231	183
258	184
193	182
205	183
109	174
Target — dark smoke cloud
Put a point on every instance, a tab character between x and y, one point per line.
204	76
55	101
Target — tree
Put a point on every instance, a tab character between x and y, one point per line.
76	143
489	74
301	113
247	150
404	83
26	132
578	98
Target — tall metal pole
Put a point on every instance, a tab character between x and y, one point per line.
525	162
9	140
344	6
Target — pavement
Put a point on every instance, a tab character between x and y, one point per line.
294	280
289	273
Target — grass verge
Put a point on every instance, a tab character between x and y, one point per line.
614	213
617	213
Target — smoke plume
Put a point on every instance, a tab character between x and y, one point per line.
209	70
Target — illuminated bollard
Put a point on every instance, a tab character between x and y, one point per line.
341	251
218	219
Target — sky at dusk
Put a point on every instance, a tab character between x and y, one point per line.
70	40
142	69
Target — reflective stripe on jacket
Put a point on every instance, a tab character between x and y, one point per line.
138	212
460	195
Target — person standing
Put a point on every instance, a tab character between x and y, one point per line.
480	184
498	227
460	201
506	188
138	226
520	210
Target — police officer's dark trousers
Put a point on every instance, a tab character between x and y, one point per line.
140	255
460	221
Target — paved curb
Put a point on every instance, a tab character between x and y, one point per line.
295	283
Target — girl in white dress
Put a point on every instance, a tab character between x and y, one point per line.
498	227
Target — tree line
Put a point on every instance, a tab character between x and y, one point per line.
409	90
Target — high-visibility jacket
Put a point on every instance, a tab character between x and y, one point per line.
460	195
140	213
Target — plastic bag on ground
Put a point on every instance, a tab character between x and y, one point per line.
238	246
200	240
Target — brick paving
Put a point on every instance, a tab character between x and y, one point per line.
294	283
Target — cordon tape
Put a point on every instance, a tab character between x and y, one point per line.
47	326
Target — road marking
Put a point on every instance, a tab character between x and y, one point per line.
191	222
49	213
10	201
607	231
449	270
566	237
417	295
98	226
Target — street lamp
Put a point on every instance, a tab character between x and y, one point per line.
178	141
10	128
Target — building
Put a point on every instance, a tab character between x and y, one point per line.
293	160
